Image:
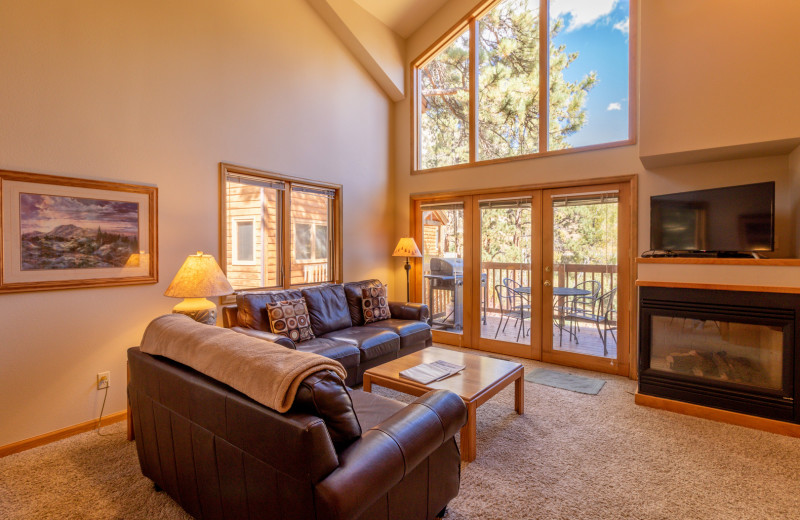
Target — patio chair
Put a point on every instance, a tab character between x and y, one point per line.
506	298
605	309
585	304
524	302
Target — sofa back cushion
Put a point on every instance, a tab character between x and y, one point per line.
324	395
352	291
252	307
327	308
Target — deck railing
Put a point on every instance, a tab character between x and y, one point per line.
566	275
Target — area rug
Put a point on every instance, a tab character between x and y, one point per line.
573	383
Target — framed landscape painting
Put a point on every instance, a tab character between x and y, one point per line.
68	233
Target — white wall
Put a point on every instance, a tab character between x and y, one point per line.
158	93
717	73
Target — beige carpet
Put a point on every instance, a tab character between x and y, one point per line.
571	456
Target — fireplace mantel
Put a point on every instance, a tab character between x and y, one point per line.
734	274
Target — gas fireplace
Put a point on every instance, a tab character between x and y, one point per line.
731	350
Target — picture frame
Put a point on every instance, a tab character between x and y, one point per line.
70	233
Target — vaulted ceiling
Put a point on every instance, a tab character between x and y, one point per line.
402	16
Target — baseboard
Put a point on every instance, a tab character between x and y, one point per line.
715	414
63	433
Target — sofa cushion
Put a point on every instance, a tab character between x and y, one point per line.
410	332
252	307
372	343
372	409
346	354
327	307
373	300
290	318
352	291
324	395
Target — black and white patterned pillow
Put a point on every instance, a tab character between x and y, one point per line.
374	304
290	318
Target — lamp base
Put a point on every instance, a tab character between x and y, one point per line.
199	309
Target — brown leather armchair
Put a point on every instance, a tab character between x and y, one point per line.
337	454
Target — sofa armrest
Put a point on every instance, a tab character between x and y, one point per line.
388	452
267	336
409	311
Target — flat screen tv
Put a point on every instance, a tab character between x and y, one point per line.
736	219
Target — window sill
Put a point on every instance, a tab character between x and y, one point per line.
590	148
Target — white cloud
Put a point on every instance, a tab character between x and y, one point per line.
614	106
583	12
623	26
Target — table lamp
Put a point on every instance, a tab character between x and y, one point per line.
407	248
198	278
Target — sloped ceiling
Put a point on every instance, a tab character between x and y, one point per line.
402	16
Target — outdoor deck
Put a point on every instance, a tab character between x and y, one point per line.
588	340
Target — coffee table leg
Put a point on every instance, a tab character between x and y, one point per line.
519	395
367	383
469	435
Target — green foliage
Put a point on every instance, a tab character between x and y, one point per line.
585	234
506	235
508	91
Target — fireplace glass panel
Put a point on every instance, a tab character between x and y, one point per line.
734	352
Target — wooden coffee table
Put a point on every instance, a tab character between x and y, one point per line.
476	384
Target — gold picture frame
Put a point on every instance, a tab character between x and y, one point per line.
69	233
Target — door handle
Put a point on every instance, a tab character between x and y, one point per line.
547	283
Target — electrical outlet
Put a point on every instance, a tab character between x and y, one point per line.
103	380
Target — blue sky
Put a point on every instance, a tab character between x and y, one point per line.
598	31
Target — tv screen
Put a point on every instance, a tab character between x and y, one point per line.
732	219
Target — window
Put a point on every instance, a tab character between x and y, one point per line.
259	249
307	249
497	87
244	241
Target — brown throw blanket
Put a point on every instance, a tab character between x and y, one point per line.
264	371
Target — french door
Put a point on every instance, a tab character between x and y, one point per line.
586	276
537	273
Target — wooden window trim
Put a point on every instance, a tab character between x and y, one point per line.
469	22
335	220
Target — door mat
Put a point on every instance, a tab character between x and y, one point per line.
580	384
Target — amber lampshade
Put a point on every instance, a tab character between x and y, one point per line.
407	247
198	278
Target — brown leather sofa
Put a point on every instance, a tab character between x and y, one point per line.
337	454
338	325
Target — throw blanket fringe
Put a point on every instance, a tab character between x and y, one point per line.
264	371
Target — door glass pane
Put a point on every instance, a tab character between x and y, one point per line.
585	238
443	264
506	270
310	218
444	106
589	57
253	232
508	80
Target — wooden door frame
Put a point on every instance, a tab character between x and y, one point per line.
534	349
464	339
631	181
621	364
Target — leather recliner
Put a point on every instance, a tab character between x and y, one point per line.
337	454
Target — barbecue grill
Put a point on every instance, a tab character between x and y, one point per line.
446	274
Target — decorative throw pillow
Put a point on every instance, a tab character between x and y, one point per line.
290	318
374	304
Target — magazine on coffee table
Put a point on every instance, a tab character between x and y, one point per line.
429	372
